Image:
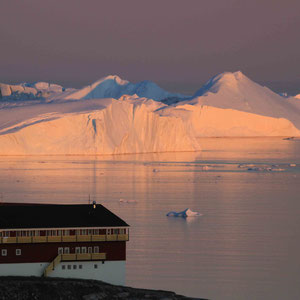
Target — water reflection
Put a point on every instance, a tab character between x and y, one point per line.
246	244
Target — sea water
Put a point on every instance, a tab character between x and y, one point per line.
245	245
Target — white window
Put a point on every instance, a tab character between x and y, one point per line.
69	267
95	266
96	249
90	249
4	252
108	231
66	250
63	267
83	231
80	266
60	250
77	250
74	267
18	252
66	232
83	249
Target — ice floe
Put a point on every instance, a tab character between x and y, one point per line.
184	214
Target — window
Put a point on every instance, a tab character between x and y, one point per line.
108	231
60	250
80	266
66	250
74	267
83	231
77	250
59	232
63	267
115	231
95	266
96	249
83	249
90	232
18	252
4	252
69	267
90	249
96	231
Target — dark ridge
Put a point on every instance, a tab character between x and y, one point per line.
29	288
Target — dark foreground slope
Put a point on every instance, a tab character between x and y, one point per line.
35	288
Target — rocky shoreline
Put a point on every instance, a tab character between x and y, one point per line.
36	288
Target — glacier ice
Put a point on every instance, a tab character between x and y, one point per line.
114	116
113	86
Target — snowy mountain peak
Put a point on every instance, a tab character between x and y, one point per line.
226	80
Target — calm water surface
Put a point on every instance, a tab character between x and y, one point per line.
245	246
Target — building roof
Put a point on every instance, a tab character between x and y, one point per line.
17	216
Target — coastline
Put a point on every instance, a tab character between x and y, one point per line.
23	288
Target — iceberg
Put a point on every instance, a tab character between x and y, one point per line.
93	127
183	214
113	86
114	116
231	104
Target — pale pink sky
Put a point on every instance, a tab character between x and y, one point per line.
177	43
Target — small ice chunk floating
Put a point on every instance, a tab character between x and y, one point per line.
183	214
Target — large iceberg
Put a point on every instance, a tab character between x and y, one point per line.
230	104
114	116
98	126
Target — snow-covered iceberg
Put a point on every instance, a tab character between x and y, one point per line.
114	116
113	86
29	91
183	214
230	104
99	126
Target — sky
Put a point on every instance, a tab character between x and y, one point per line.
179	44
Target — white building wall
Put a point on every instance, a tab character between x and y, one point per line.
111	271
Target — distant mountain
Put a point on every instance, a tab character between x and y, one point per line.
114	87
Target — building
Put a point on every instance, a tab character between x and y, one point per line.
71	241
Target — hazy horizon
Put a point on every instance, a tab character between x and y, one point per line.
177	44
